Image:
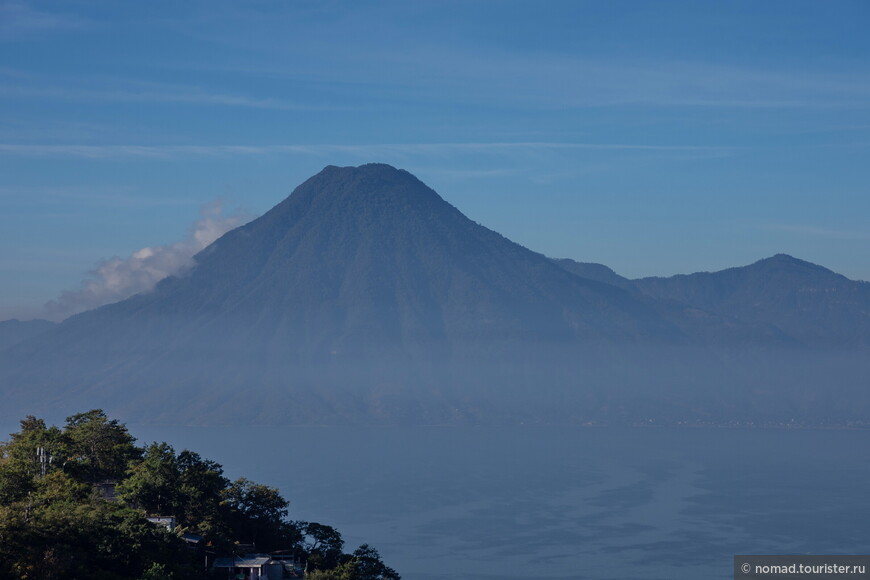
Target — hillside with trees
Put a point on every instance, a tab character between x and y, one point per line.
75	503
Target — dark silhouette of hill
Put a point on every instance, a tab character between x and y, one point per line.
365	297
805	301
705	325
598	272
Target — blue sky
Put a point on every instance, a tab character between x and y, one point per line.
654	137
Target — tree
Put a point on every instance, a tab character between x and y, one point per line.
367	565
33	452
257	514
322	544
364	564
53	525
157	572
153	484
99	448
202	483
63	531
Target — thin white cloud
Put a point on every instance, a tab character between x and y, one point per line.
177	151
180	95
118	278
808	230
19	20
552	79
104	196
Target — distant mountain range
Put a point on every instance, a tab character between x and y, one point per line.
805	302
365	297
14	331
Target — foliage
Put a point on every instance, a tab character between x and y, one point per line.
202	484
157	572
54	534
257	514
322	544
154	483
367	565
364	564
99	448
55	524
20	461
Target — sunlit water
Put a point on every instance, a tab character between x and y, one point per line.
560	502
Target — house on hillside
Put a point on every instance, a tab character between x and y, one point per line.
167	522
251	567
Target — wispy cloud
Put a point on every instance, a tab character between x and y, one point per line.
119	278
474	173
177	95
104	196
18	19
578	81
177	151
550	79
815	231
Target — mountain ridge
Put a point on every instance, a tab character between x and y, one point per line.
806	301
365	296
13	331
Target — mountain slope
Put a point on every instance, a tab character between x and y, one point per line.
593	271
805	301
365	297
362	279
362	256
15	331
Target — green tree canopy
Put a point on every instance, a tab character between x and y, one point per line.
257	514
154	484
100	448
322	544
33	451
364	564
55	524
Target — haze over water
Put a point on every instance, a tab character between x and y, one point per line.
560	502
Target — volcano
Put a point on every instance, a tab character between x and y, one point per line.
364	296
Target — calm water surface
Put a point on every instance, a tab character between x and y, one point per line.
560	502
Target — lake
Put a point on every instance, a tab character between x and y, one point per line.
560	502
